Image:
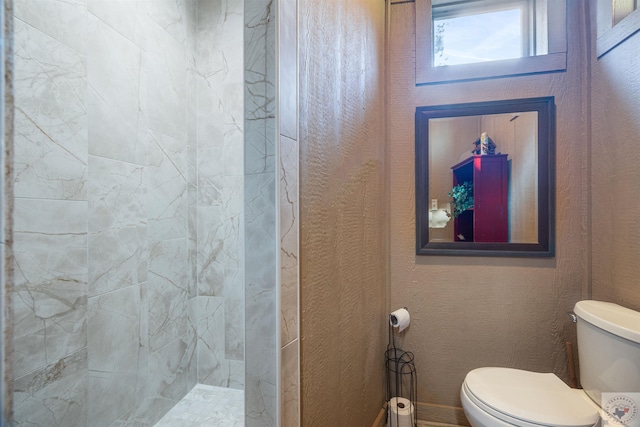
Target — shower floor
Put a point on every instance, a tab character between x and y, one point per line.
207	406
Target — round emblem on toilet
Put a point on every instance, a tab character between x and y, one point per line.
621	409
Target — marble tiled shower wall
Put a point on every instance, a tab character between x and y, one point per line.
271	213
219	254
5	129
128	234
289	212
260	214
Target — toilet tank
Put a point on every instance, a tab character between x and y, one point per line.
608	348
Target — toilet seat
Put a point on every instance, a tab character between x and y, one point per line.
528	399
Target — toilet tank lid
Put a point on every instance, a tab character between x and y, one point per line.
613	318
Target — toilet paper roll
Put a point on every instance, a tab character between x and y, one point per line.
400	412
400	319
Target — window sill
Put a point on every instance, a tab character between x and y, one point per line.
494	69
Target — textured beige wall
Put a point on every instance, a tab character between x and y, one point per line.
615	177
468	312
342	211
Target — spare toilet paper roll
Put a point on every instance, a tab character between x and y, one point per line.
400	319
400	412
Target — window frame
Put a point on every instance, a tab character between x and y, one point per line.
554	60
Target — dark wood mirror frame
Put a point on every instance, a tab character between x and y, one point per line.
545	246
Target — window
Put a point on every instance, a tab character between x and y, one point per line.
617	20
474	39
622	9
506	31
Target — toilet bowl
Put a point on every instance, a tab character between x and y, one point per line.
609	354
504	397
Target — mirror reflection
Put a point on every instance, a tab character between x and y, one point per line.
484	178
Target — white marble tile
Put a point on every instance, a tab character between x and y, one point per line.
114	317
289	235
210	247
167	82
210	114
192	341
190	360
113	347
167	193
260	402
29	336
168	292
115	67
233	155
50	81
259	146
64	20
213	367
117	258
233	222
191	28
260	214
260	331
220	64
50	293
255	33
270	57
144	136
175	149
53	396
260	300
234	314
168	382
137	65
210	57
236	375
221	372
260	357
117	194
260	217
174	153
173	16
117	225
287	68
179	186
210	177
139	414
127	17
109	396
192	248
271	139
192	128
233	42
206	406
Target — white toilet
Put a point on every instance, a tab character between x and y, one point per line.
609	354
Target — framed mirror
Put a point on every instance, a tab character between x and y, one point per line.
485	178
